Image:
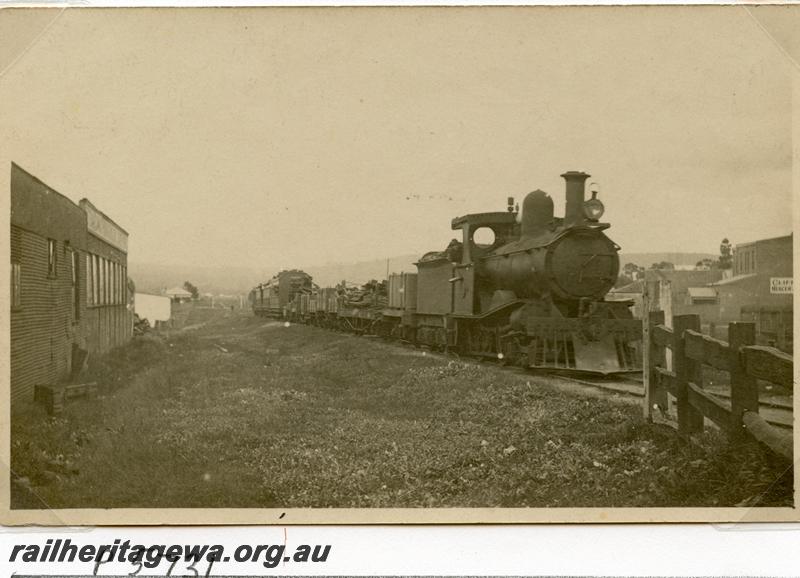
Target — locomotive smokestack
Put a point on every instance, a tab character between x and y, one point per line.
576	191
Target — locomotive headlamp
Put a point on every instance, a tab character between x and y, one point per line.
593	208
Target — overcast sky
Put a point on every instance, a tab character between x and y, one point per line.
291	137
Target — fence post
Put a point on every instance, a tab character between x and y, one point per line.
744	388
689	419
647	408
665	300
654	394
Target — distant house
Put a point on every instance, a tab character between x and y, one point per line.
178	295
684	292
678	291
674	291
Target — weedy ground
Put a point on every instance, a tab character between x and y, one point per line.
236	411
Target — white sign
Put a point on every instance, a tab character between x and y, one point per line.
101	226
780	285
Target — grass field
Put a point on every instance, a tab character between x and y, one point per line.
235	411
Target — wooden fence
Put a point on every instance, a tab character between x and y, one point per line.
740	357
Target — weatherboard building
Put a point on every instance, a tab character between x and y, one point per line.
68	284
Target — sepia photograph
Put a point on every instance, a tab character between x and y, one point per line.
398	264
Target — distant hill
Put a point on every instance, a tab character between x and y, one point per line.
152	278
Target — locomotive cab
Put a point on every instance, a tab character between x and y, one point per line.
467	272
502	227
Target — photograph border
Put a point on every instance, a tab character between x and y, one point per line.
348	516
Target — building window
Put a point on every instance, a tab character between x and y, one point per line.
52	258
15	285
76	293
103	280
96	279
89	294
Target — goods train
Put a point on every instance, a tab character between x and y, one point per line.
533	297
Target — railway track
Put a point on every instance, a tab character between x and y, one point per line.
775	411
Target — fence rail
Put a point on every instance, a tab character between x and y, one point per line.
746	363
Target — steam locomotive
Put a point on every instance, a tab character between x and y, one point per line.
533	297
